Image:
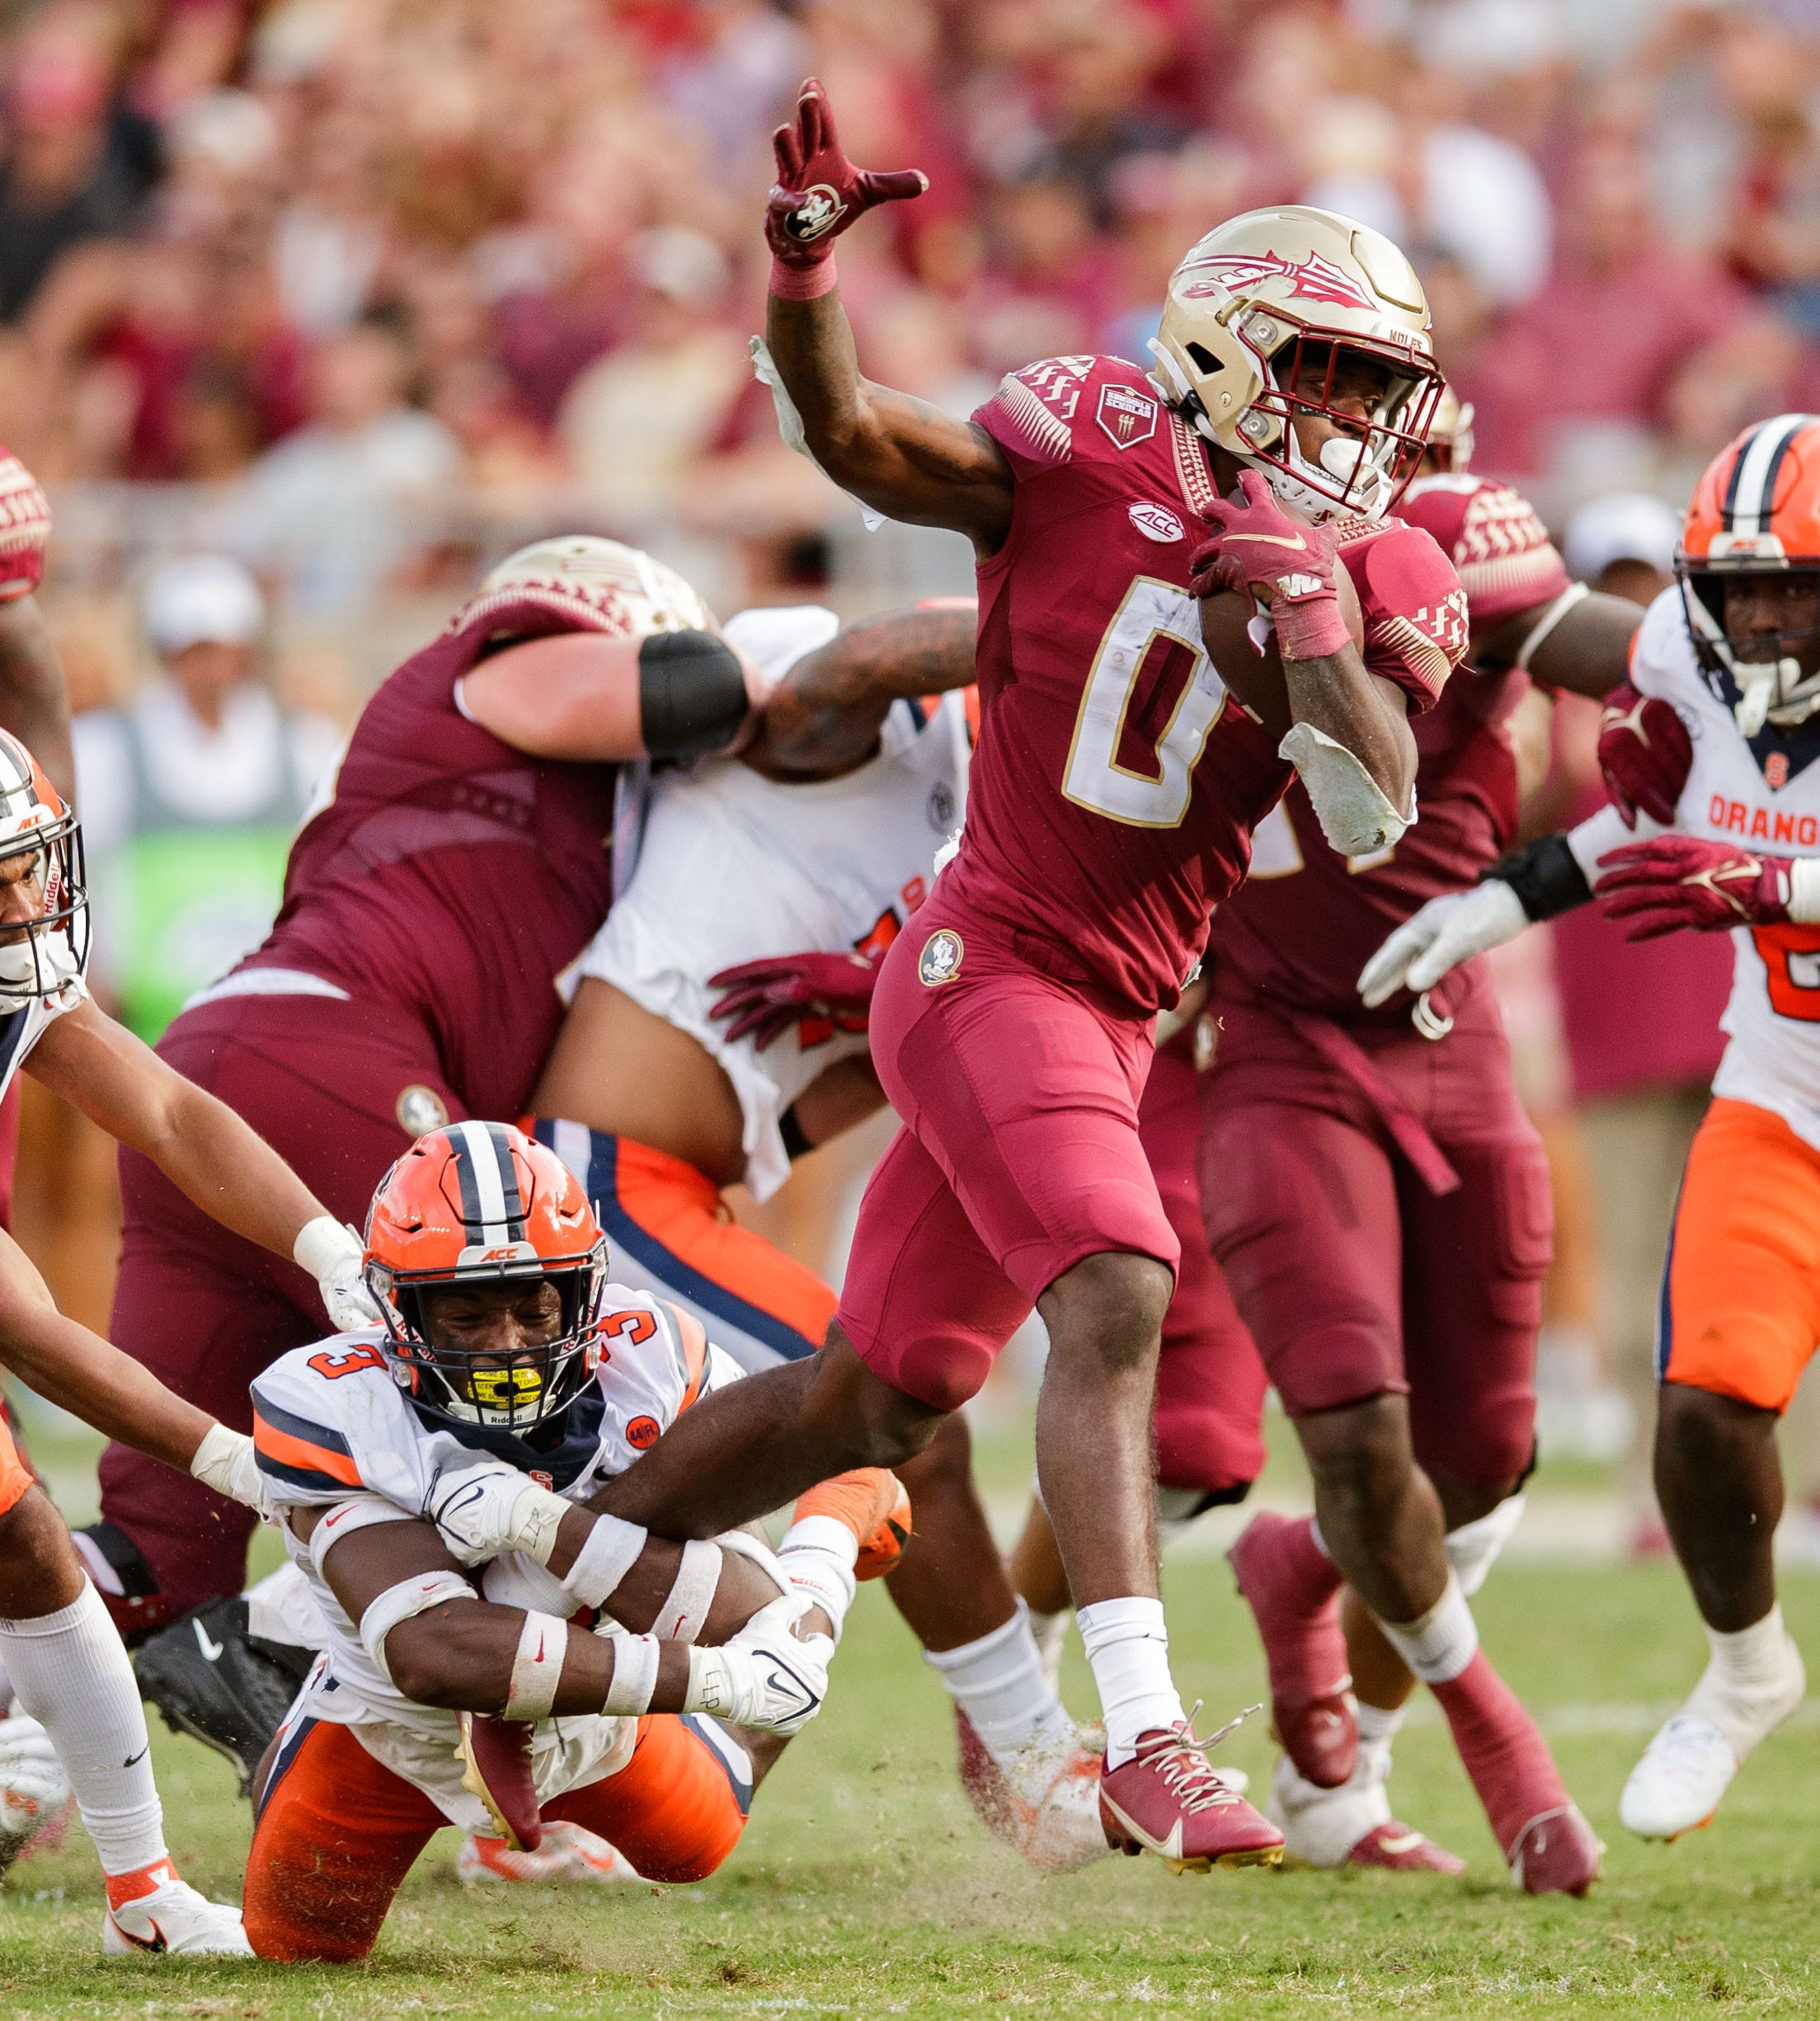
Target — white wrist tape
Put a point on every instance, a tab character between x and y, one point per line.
1575	592
404	1602
213	1460
608	1553
1804	890
684	1614
359	1512
742	1543
634	1674
537	1667
322	1243
1355	815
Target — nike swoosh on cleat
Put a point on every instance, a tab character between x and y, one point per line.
1404	1842
1170	1848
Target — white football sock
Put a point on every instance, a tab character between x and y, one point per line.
1127	1645
71	1673
1753	1680
1378	1725
1000	1683
1441	1645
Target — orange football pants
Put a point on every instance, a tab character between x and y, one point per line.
1740	1308
338	1832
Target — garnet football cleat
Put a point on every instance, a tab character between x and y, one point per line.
171	1917
494	1755
1293	1592
1394	1846
1048	1807
1169	1800
213	1680
570	1853
1556	1854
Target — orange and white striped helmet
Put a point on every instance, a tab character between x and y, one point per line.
44	906
481	1204
1755	511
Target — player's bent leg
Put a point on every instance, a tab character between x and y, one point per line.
678	1807
335	1836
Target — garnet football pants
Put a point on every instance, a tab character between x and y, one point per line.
337	1831
338	1090
1354	1279
1019	1157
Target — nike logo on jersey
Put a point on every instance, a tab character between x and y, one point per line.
211	1650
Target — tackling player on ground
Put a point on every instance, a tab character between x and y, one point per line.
1113	792
1709	754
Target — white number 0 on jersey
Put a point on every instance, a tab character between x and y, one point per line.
1094	778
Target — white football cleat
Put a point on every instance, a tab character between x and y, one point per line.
569	1854
34	1790
1687	1767
1352	1826
172	1918
1046	1803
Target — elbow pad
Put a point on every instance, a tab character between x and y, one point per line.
692	697
1354	814
1545	876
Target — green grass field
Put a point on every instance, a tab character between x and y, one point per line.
864	1886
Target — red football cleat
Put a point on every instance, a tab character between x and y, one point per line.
1168	1800
1293	1592
1394	1846
495	1759
1556	1854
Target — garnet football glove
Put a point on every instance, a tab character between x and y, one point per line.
1255	548
1447	930
1673	881
819	192
764	998
1645	753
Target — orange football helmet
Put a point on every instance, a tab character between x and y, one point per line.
43	887
481	1203
1755	511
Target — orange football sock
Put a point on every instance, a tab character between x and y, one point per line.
124	1888
870	1503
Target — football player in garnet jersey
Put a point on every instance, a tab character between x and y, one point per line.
1708	754
1112	797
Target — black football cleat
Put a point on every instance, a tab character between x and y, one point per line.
227	1688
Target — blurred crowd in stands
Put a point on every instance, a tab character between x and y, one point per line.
355	294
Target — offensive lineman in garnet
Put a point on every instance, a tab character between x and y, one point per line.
1118	777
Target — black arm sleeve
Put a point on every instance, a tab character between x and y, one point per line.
692	696
1545	876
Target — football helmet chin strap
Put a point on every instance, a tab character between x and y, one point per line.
43	963
1771	691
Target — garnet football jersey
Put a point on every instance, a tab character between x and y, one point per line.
1308	921
451	875
1116	782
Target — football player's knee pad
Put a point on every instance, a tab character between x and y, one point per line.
692	696
404	1602
1473	1548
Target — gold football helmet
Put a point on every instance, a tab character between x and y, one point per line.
1262	317
601	585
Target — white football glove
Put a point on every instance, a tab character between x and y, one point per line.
225	1461
33	1786
333	1254
486	1509
766	1676
1447	930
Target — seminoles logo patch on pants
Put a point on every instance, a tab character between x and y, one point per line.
940	960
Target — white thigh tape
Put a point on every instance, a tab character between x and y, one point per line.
361	1512
608	1553
634	1674
404	1602
537	1667
685	1614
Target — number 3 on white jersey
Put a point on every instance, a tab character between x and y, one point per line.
1094	778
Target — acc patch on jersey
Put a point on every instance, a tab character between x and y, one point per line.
940	960
1127	416
1156	522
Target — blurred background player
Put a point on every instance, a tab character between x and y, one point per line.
1077	905
191	793
462	855
1708	750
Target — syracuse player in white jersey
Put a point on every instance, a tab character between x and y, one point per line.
429	1475
1709	753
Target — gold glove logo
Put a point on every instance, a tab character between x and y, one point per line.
817	215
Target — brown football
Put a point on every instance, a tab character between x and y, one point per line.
1255	678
